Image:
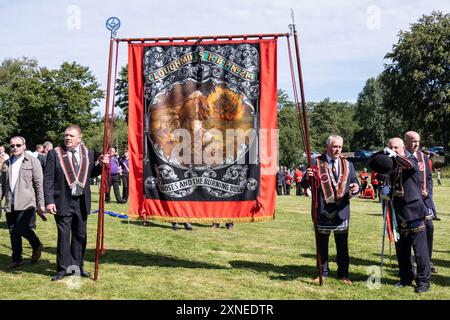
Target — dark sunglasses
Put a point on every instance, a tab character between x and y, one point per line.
15	145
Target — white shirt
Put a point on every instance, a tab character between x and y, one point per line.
16	163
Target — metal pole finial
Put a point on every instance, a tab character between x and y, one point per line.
292	26
113	24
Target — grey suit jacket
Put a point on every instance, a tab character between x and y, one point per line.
29	189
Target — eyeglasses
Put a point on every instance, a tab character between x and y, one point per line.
15	146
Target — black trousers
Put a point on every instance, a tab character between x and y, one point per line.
115	181
20	224
71	237
279	190
288	189
430	235
418	241
299	189
125	181
342	256
284	189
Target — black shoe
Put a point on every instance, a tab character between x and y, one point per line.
433	269
36	255
402	284
59	276
436	218
229	226
175	226
188	226
422	289
14	264
85	274
215	225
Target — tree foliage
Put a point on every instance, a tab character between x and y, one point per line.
122	91
290	147
331	117
418	76
39	103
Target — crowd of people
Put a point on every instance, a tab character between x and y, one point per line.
56	181
49	181
410	192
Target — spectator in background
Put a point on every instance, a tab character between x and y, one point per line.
3	153
124	165
288	179
280	181
374	181
43	156
228	225
363	177
298	175
116	171
368	193
39	150
438	176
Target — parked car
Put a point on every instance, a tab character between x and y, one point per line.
363	153
437	150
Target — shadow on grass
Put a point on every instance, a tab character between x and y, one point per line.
42	267
142	259
167	225
3	225
148	224
306	273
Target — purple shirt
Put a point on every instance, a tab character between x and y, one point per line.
114	165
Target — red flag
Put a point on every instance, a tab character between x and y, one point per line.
202	130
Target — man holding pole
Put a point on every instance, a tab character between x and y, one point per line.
338	183
68	197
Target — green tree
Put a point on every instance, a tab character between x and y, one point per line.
370	116
39	103
122	91
417	79
327	117
18	83
94	136
290	147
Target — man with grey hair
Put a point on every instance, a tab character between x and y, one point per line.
338	183
410	211
412	143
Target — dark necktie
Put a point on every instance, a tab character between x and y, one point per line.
75	164
333	168
76	168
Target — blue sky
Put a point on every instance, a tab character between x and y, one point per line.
342	42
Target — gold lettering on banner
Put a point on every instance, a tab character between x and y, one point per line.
206	56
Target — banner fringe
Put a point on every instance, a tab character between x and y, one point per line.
200	220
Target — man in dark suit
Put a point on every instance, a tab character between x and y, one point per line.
412	144
410	211
68	197
338	183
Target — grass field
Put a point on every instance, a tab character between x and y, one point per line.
266	260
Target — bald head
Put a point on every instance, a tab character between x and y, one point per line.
397	145
412	141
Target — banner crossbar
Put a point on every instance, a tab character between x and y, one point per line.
203	38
